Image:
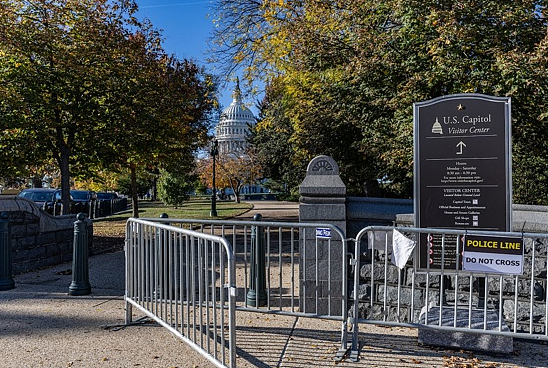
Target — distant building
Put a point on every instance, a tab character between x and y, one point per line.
233	126
231	133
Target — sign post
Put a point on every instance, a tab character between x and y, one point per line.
462	158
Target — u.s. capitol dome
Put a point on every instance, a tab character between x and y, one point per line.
233	126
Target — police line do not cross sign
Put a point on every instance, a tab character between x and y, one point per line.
492	254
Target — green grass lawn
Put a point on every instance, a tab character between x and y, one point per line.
195	208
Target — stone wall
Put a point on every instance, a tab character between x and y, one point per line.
362	212
38	239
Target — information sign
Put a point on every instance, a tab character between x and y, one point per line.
462	170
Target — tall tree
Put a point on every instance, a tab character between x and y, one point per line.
233	170
273	145
238	169
90	86
164	115
55	57
357	66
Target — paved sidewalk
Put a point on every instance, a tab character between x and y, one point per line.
273	211
42	326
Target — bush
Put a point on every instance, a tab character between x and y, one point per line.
174	188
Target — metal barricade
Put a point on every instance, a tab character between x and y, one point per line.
185	281
293	283
443	297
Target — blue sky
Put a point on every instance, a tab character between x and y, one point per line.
186	26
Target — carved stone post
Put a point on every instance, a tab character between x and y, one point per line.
322	201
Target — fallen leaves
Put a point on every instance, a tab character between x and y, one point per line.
462	362
415	361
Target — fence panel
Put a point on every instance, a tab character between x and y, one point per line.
435	292
277	267
185	281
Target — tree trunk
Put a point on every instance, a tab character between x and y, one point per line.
134	195
237	192
65	179
154	188
235	186
36	182
371	188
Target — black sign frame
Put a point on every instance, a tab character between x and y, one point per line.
462	168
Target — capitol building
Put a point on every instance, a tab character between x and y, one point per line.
233	126
231	133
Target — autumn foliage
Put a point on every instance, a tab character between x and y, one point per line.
343	76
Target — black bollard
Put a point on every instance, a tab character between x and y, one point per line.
6	272
256	295
80	269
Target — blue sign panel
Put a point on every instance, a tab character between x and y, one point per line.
323	233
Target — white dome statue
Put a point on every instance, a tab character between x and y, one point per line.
233	126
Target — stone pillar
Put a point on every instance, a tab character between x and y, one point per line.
322	201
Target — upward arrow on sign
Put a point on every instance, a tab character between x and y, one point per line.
459	146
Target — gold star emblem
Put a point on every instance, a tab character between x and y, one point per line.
460	107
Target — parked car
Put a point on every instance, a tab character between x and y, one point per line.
83	200
47	198
106	196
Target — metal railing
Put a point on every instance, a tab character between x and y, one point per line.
442	295
185	281
276	268
106	207
191	276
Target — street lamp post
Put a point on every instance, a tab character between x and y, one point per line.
214	152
